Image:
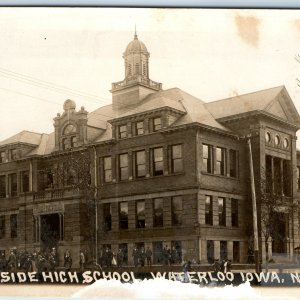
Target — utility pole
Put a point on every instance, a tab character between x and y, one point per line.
254	209
96	207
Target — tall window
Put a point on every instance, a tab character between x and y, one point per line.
107	216
234	213
210	250
13	226
223	250
298	178
25	181
13	186
222	211
139	128
123	215
144	70
208	210
156	124
2	186
136	68
286	176
2	227
73	141
176	159
220	161
236	252
207	158
233	170
177	210
122	131
140	214
129	69
158	212
107	169
140	164
65	144
12	154
2	157
123	166
158	161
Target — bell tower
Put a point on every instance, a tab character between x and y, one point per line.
137	84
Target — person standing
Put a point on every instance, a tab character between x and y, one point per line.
67	260
142	257
12	261
81	261
149	256
135	255
120	258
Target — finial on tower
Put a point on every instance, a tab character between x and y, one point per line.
135	35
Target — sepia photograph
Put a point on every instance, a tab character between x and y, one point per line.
141	144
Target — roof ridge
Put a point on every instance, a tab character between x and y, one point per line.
272	88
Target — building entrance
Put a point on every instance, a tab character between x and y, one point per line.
50	231
279	234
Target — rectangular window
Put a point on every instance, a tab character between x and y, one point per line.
158	212
210	251
223	250
233	169
286	177
176	252
140	164
298	178
157	248
158	161
176	159
236	252
13	186
123	215
222	211
12	154
220	161
139	128
208	210
2	157
122	131
124	251
13	226
234	213
107	216
2	186
107	169
140	214
73	141
268	175
123	167
207	164
2	227
25	181
156	124
177	210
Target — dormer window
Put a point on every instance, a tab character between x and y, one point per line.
122	131
12	154
2	157
156	124
139	128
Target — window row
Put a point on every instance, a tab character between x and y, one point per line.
138	128
278	141
140	162
221	211
210	250
13	226
9	184
140	213
8	156
216	161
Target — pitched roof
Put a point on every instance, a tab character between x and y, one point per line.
46	145
26	137
245	103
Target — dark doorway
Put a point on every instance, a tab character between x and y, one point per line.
210	251
279	233
49	231
157	253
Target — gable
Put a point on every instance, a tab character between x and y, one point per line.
277	110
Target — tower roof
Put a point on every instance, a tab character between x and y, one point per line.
135	46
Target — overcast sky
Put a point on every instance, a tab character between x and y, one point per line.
211	54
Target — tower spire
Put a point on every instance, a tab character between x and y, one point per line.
135	35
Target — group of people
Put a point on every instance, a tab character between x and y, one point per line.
36	261
140	257
223	266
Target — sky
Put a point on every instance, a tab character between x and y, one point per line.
48	55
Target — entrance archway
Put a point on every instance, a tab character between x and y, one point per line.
50	229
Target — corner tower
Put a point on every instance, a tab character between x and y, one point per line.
137	84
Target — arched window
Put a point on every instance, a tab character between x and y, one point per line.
136	68
70	128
